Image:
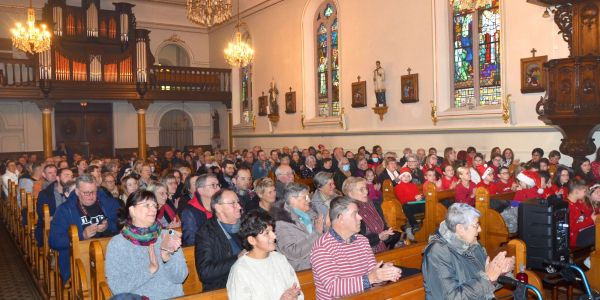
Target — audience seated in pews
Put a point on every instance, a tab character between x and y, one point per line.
94	215
390	172
198	209
297	225
242	186
324	193
262	273
142	259
455	265
582	232
284	175
465	189
218	243
410	198
342	260
264	189
166	215
53	196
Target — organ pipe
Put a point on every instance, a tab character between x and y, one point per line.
58	23
92	20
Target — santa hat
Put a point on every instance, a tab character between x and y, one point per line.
405	170
484	170
532	179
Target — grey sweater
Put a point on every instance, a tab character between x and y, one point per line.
127	270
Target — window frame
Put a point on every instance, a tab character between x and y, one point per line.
328	23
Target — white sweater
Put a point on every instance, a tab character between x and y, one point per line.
263	279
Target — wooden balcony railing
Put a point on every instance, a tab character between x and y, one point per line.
17	72
166	78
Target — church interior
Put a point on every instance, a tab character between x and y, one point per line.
146	82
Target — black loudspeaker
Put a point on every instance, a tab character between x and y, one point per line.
544	227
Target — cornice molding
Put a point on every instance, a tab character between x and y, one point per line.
171	27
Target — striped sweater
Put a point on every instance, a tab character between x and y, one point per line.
341	268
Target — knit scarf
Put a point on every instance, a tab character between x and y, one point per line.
141	236
305	219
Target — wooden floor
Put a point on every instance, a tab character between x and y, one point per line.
15	280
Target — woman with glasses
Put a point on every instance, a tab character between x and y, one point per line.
455	265
167	215
144	260
297	226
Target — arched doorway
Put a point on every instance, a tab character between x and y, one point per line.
176	130
173	55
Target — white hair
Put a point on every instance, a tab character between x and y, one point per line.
461	213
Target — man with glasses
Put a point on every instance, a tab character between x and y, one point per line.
285	175
413	164
94	216
218	244
198	209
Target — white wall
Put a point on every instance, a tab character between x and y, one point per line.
20	127
400	34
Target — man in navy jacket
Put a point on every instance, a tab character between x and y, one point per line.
94	214
49	196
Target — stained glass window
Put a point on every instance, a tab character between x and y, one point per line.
327	60
246	93
476	79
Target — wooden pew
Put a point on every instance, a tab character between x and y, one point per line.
494	231
408	288
80	263
97	273
49	258
192	284
307	181
105	292
593	274
435	211
518	249
392	210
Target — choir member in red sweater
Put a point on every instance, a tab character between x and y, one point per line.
449	181
530	186
487	179
431	177
408	192
582	231
431	164
505	182
465	189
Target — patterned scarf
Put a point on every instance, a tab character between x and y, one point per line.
141	236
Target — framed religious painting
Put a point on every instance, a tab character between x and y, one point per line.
290	102
410	88
532	74
359	93
263	102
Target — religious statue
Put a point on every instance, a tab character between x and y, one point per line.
273	94
216	129
378	82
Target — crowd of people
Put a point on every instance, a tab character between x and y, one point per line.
254	225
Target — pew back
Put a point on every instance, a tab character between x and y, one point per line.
192	284
435	212
80	262
392	210
494	232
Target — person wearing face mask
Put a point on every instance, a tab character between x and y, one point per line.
53	196
341	173
262	273
218	243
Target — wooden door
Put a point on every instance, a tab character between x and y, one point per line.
85	130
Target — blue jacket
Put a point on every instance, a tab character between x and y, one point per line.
191	221
46	196
67	214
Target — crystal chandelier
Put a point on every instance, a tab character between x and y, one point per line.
209	12
239	53
31	39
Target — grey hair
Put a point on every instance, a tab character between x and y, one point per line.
351	183
321	178
201	180
338	206
279	170
293	189
310	158
341	162
154	186
460	213
86	178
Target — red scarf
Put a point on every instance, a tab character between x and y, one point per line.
195	202
167	211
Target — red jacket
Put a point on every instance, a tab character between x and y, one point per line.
502	187
463	194
406	192
491	187
447	183
580	218
530	193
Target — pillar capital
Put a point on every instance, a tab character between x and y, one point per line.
45	106
140	105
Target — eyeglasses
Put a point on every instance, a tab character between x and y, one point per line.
476	225
234	203
87	194
148	205
214	185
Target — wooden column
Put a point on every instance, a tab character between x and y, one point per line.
230	130
46	107
141	107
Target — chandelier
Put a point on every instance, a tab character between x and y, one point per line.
209	12
31	39
238	52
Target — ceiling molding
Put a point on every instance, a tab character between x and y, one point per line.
171	27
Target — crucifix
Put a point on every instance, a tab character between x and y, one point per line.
533	51
408	70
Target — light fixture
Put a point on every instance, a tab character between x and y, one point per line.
546	13
239	53
31	39
208	12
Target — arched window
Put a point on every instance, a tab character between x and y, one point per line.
327	60
246	87
176	129
173	55
476	50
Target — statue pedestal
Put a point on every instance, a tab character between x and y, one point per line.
381	110
274	118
